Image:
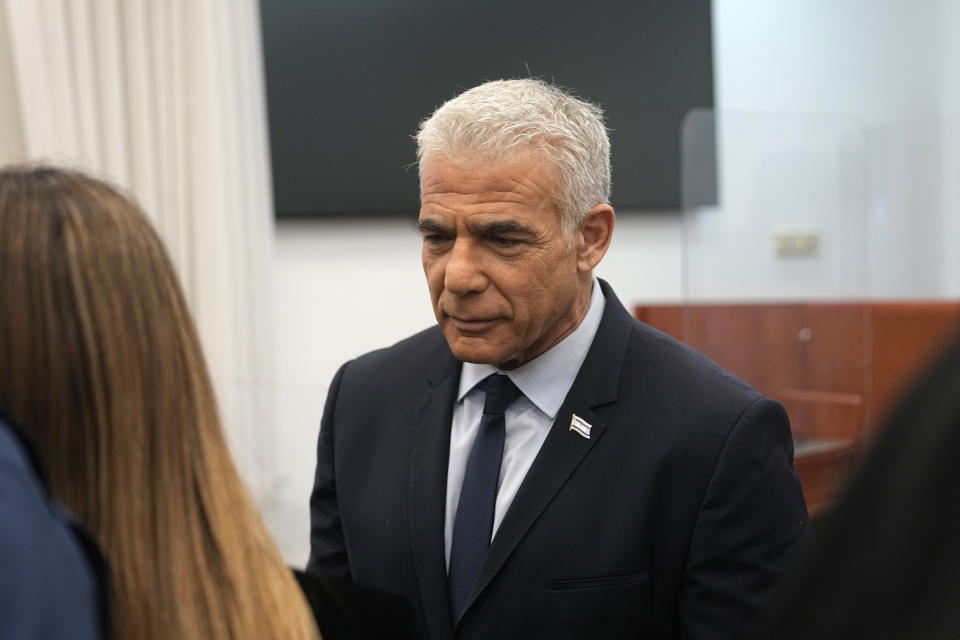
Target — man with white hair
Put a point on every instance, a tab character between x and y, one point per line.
540	464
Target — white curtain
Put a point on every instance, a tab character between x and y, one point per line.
166	98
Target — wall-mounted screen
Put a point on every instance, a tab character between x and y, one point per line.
348	81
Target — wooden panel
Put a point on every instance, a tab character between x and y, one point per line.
755	342
835	348
836	367
822	467
826	428
821	415
871	349
906	336
667	318
728	336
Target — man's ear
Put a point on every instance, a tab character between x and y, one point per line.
593	236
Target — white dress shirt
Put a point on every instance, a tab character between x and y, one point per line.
545	382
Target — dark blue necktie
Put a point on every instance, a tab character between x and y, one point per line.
473	526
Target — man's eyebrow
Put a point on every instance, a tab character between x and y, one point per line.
501	227
429	225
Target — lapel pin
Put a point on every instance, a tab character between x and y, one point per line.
580	425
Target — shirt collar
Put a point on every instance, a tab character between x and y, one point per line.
546	379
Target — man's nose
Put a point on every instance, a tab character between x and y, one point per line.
464	272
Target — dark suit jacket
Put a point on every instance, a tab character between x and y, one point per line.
347	611
672	520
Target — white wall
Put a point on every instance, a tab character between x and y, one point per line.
950	73
856	87
875	60
11	127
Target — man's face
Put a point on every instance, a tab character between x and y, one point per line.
502	274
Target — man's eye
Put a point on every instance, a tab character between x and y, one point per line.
435	238
505	243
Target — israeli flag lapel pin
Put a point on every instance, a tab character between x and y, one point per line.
581	426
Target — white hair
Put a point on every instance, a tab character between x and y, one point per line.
504	117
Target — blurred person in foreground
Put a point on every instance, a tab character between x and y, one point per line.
53	583
540	464
885	564
104	371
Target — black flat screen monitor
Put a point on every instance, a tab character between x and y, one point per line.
348	82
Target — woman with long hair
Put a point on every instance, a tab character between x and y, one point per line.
103	368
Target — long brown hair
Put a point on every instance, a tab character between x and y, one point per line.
103	367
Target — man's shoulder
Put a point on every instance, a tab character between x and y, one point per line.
649	359
695	402
658	359
656	353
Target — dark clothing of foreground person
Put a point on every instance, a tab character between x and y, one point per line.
886	564
52	580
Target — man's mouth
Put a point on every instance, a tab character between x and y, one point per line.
472	325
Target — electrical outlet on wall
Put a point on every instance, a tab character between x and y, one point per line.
796	243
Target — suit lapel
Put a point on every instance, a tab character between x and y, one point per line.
427	491
597	383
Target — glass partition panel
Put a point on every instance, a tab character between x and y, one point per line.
774	273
